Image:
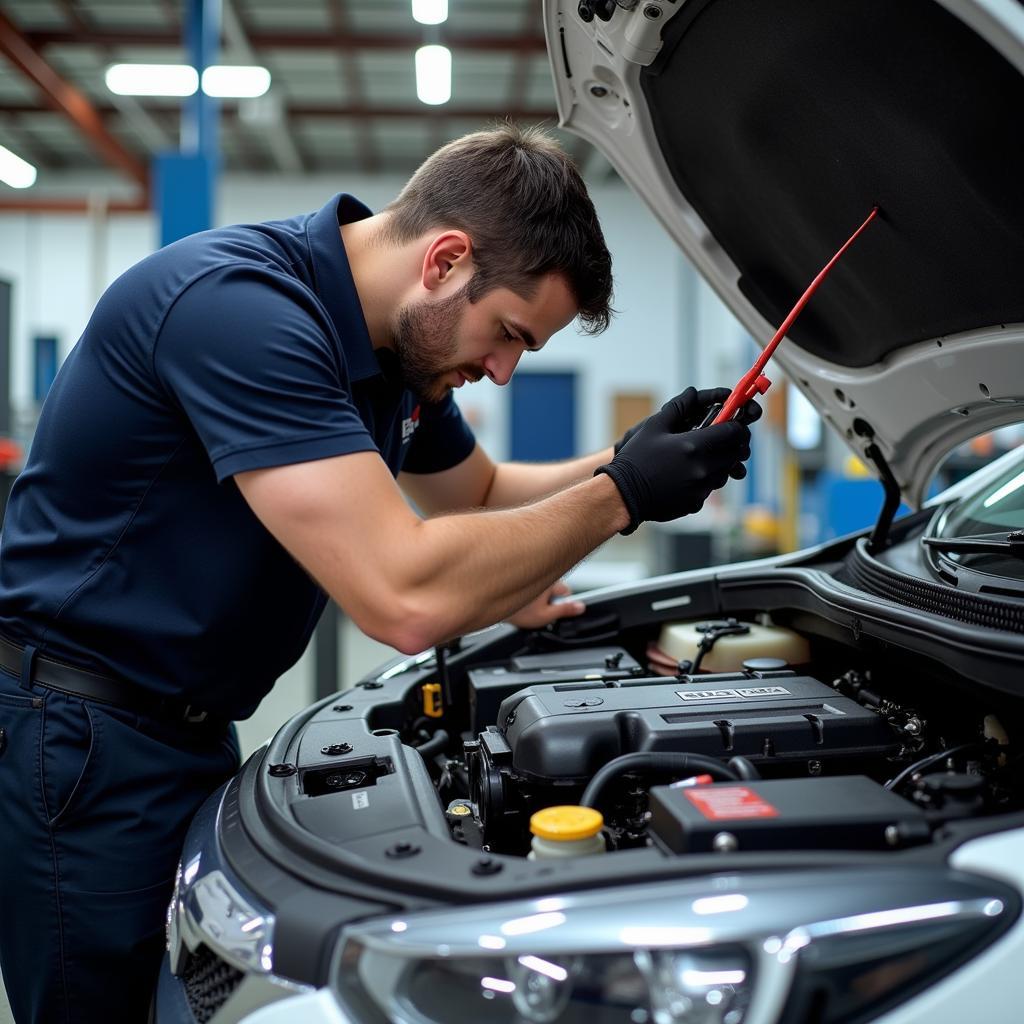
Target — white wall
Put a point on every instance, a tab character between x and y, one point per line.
670	330
59	266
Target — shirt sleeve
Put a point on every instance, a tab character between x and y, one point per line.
442	440
253	360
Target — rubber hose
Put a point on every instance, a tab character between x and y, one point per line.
679	764
743	768
434	745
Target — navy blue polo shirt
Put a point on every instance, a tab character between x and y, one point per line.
127	547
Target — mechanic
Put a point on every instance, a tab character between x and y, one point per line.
218	455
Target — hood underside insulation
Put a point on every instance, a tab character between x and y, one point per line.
783	122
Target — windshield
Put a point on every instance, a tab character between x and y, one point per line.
994	511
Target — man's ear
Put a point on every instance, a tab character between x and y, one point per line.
448	258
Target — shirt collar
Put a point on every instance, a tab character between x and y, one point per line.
332	279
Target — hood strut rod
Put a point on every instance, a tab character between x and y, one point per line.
754	382
879	538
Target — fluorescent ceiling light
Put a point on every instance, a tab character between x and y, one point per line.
221	80
14	171
434	74
430	12
238	81
152	79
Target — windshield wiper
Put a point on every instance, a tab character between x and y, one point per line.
1011	543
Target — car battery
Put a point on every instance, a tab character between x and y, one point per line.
850	812
490	685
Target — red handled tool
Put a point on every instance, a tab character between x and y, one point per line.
754	382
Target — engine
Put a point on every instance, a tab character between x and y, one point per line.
761	755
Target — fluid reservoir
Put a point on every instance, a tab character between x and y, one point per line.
566	831
734	643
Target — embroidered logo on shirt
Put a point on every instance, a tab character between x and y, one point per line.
410	424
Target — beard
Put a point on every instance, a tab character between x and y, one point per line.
424	336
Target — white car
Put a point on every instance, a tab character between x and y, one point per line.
792	790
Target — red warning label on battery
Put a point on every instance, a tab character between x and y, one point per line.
722	802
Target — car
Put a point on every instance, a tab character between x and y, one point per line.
786	790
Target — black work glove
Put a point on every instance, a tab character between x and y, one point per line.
617	447
666	469
750	413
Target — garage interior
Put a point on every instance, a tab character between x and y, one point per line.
112	177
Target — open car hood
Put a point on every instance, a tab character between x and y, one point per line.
761	134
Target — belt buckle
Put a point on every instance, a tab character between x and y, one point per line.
194	716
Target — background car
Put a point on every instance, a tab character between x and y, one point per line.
807	768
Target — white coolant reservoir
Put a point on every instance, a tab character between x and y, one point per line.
736	643
566	831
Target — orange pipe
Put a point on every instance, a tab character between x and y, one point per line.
72	205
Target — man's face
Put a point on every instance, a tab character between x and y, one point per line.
443	342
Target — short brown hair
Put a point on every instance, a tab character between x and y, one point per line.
522	202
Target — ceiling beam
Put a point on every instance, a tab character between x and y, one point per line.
293	40
420	112
151	134
40	204
436	135
277	136
342	111
28	145
172	14
61	95
533	14
253	156
146	128
368	156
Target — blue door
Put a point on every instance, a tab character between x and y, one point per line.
45	365
543	411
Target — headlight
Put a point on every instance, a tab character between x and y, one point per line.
220	939
209	907
828	947
211	911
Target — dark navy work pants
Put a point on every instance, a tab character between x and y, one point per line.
94	805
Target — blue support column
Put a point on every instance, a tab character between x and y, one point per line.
184	183
200	120
183	190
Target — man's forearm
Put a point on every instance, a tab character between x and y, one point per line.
517	482
411	582
464	572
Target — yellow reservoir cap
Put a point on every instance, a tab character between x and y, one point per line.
566	822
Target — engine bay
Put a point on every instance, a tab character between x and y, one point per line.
756	755
721	735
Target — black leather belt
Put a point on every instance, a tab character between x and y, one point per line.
77	682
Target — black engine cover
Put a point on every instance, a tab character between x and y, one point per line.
563	732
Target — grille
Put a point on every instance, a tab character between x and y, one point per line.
865	573
209	981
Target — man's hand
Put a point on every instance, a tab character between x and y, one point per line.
627	435
541	611
666	469
750	413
